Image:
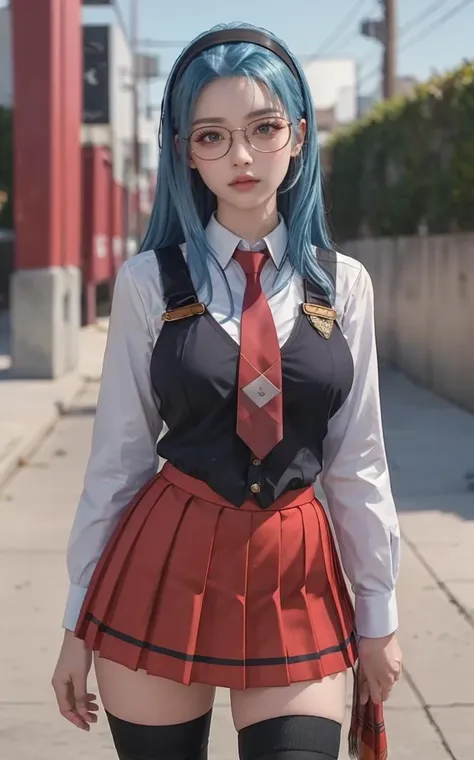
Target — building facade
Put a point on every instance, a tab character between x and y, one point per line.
333	85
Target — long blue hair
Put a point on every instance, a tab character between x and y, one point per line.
183	204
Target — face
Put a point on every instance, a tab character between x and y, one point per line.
246	177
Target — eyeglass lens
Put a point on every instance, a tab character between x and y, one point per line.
264	135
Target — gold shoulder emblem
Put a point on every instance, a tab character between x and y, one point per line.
322	318
183	312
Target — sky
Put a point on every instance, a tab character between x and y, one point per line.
305	26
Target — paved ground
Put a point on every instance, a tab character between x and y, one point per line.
431	449
30	408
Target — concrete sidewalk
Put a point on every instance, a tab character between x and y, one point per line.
430	446
431	451
30	408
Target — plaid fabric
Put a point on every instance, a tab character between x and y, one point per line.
367	735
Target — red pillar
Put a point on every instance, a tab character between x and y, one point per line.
47	66
72	119
96	224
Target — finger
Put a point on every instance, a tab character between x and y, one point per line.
375	691
363	685
364	690
76	719
64	698
386	688
82	709
91	703
81	699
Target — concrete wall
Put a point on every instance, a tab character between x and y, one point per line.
6	73
424	306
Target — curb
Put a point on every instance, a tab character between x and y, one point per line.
29	444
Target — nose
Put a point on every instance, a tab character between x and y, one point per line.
240	150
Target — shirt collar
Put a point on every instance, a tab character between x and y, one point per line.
224	242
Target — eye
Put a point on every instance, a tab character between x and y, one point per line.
270	128
208	136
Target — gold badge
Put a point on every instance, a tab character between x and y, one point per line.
322	318
183	312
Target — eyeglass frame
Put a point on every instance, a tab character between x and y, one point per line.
231	141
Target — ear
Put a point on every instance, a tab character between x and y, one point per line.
300	138
178	144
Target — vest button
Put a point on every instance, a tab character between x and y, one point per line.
257	462
255	488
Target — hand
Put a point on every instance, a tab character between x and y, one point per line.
70	683
380	666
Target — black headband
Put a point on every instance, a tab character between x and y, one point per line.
225	37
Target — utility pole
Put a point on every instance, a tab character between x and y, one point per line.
384	30
390	49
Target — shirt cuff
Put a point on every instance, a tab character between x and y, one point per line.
73	606
376	616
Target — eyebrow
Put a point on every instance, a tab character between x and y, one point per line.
252	114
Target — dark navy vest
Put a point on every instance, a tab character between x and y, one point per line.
194	374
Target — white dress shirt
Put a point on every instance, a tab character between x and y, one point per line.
127	425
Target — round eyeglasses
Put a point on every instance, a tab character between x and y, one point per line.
212	142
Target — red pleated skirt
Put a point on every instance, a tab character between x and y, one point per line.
194	589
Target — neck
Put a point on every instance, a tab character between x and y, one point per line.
250	225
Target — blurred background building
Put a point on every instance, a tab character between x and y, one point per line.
122	79
333	85
119	150
359	59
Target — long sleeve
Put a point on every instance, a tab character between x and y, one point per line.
356	480
126	427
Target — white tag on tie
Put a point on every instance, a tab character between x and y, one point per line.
261	391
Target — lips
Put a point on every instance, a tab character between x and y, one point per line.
244	180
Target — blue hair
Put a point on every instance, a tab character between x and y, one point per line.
183	203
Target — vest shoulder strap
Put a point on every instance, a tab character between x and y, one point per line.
179	292
314	293
178	289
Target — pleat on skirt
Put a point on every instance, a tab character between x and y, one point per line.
192	588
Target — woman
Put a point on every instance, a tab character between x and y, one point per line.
241	330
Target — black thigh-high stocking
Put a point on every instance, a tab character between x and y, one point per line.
182	741
291	737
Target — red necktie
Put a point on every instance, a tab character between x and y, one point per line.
259	402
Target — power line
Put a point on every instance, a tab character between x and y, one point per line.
121	19
422	16
366	58
423	32
351	37
348	19
371	74
427	30
426	13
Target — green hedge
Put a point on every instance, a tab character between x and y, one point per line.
6	167
408	163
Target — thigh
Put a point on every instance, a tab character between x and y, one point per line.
136	697
325	699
